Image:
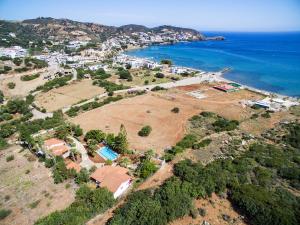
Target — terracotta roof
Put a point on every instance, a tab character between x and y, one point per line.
60	150
111	177
53	141
73	165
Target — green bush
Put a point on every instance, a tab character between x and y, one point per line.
202	144
3	143
145	131
30	77
4	213
225	125
10	158
87	204
11	85
159	75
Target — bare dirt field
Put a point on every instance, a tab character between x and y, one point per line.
216	207
154	109
67	95
22	87
27	188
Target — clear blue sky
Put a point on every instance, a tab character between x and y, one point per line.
205	15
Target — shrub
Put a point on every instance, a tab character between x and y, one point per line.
202	144
4	213
146	169
266	115
30	77
97	135
188	141
225	125
17	61
145	131
175	110
158	88
10	158
11	85
3	143
159	75
166	61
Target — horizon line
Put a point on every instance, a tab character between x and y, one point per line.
147	26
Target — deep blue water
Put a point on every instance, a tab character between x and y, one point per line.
268	61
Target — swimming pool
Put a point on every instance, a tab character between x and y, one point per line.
107	153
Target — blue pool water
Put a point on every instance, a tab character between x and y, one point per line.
107	153
268	61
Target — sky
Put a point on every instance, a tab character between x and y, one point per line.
203	15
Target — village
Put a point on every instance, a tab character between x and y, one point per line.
96	116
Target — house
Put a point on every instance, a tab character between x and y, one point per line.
114	178
72	165
57	147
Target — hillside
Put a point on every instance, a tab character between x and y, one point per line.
64	29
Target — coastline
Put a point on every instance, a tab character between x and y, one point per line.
218	75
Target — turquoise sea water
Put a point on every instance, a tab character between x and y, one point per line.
268	61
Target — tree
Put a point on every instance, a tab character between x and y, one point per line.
97	135
77	130
145	131
92	146
120	142
159	75
62	132
146	169
1	97
82	176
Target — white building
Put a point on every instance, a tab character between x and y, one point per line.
13	52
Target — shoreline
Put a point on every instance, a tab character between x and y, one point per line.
219	74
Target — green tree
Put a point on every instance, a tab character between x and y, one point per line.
97	135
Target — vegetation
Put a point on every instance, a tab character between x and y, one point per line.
159	75
145	131
11	85
109	86
87	204
4	213
1	97
30	77
10	158
175	110
158	88
202	144
223	124
55	83
73	111
146	168
124	74
3	143
166	61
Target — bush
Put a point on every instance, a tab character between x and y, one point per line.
11	85
159	75
17	61
4	213
175	110
97	135
188	141
87	204
30	77
158	88
10	158
166	61
225	125
3	143
266	115
124	74
146	169
202	144
145	131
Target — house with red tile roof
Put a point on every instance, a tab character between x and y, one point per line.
114	178
57	147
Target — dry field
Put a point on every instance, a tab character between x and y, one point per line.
22	87
67	95
215	208
27	188
154	109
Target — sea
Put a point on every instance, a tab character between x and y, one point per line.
266	61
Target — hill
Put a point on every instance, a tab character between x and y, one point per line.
44	28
